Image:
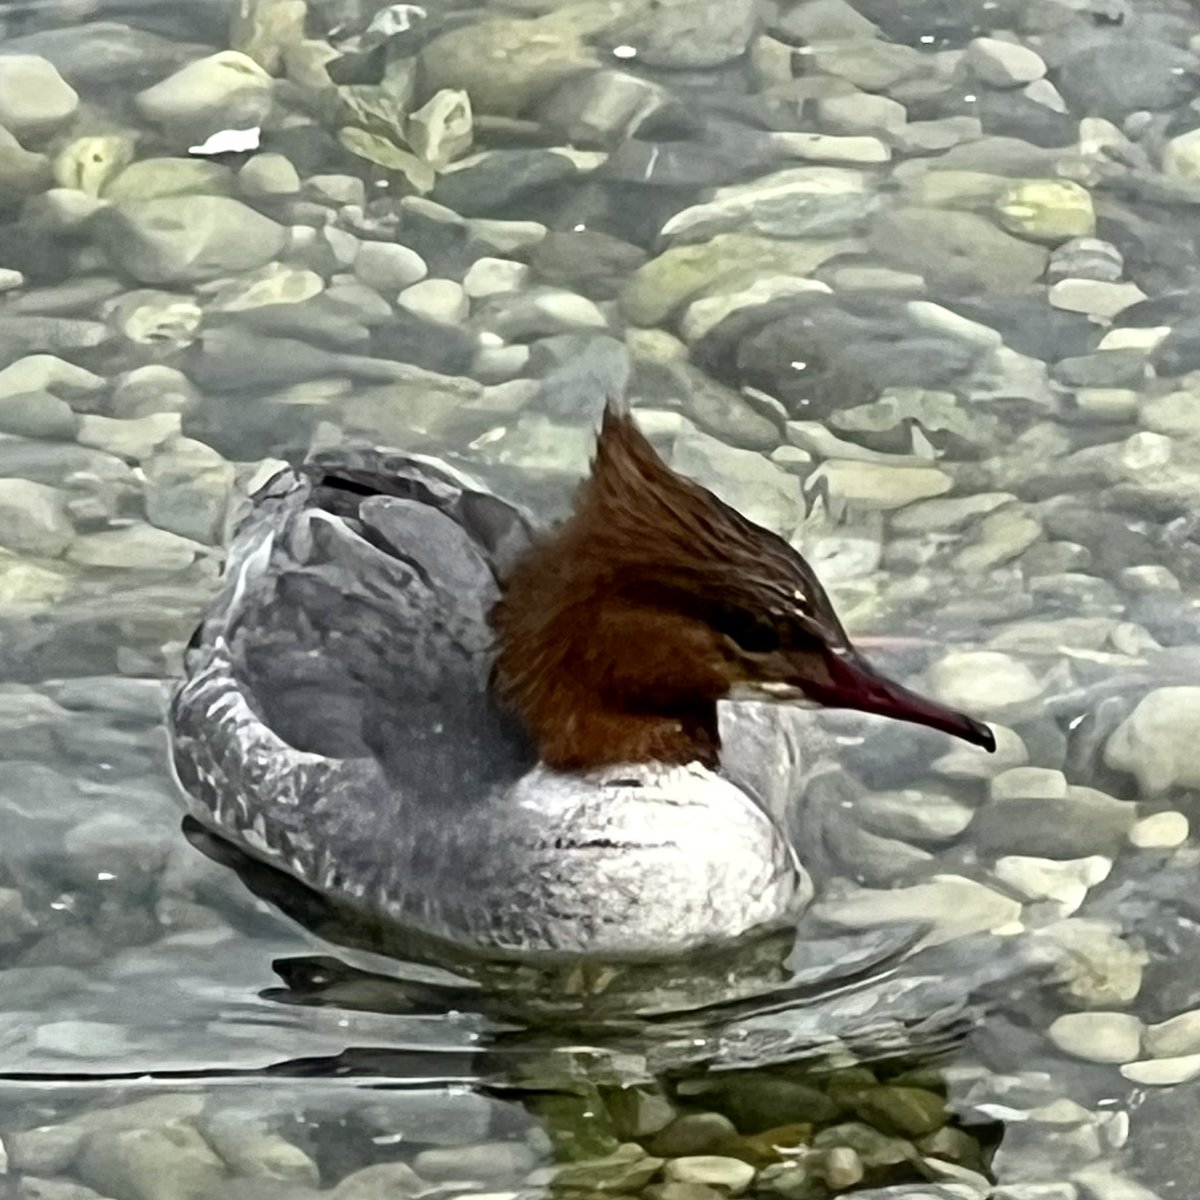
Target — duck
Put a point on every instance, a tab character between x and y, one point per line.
580	741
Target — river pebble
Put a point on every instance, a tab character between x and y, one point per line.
35	100
1102	1037
1153	743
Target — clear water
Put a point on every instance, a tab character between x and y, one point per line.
889	343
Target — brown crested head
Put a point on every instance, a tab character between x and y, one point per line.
619	632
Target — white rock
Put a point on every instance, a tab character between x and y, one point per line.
136	546
27	586
729	1175
1162	831
211	87
1134	337
704	315
1066	883
945	321
276	283
983	681
914	815
1157	742
1108	404
87	164
47	373
861	113
151	389
494	276
505	237
999	538
1175	414
137	438
842	1168
60	209
873	486
1181	158
388	267
799	202
1091	962
1150	577
337	191
817	440
442	129
157	318
439	300
1102	1037
568	310
541	313
1003	64
269	175
35	100
33	518
1163	1072
10	279
1043	92
965	762
1174	1038
754	486
1097	136
496	364
953	906
1094	296
1025	783
941	515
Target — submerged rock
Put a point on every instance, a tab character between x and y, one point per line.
171	1162
952	907
1156	744
22	172
1047	210
688	33
505	64
35	100
1004	64
186	239
958	249
660	286
227	88
1103	1037
798	202
730	1175
33	518
983	681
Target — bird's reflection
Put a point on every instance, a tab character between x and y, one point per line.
801	1046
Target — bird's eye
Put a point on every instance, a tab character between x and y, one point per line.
752	633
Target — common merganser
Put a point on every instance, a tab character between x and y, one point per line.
518	744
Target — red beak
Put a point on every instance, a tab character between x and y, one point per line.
855	684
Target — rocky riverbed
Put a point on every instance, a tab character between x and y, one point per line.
915	284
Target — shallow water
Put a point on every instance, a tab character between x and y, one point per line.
915	284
